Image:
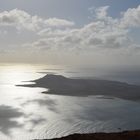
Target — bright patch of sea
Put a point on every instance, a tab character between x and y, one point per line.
26	113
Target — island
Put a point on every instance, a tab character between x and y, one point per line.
60	85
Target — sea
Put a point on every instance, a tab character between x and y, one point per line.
26	113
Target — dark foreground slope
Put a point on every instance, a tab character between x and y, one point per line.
127	135
61	85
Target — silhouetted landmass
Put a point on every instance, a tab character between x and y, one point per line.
61	85
126	135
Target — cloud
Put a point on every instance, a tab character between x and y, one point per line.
104	37
22	20
101	12
131	18
19	19
55	22
103	32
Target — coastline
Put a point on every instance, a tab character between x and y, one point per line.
60	85
125	135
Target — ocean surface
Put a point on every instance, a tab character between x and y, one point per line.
26	113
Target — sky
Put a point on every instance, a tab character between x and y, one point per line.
74	32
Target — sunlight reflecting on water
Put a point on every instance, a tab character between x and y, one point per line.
15	73
25	113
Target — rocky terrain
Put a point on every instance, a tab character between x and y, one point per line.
126	135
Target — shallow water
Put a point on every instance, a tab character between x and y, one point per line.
25	113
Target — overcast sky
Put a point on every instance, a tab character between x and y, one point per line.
81	32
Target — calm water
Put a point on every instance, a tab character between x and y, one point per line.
25	113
